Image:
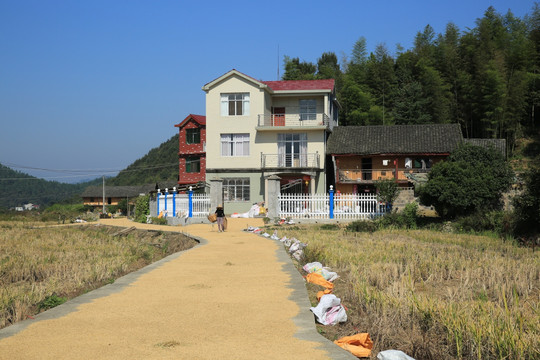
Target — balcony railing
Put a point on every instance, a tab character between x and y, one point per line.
368	176
297	120
290	161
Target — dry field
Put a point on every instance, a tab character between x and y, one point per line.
39	266
433	295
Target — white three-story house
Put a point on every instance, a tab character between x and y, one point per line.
255	129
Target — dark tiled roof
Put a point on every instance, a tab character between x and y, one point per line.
395	139
498	144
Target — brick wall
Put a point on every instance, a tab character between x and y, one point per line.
186	150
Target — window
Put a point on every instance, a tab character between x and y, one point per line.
236	189
193	136
193	164
292	150
308	109
234	144
234	104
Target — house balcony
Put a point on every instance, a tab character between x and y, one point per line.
358	176
304	121
290	161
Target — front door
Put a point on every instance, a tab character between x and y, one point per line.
278	116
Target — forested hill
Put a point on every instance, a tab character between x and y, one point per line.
159	164
17	189
487	79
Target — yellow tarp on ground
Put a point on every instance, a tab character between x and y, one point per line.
319	280
323	292
359	345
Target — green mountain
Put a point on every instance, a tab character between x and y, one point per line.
17	188
158	165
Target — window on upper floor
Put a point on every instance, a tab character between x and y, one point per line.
308	109
193	136
235	104
234	144
193	164
236	189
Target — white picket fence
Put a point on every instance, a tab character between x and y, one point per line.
178	205
317	206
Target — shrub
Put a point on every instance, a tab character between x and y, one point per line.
387	190
158	220
50	302
410	215
480	222
142	208
361	226
471	180
391	220
63	212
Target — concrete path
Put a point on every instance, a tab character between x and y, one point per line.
235	296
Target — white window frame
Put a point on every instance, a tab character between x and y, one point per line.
233	145
235	104
308	109
236	189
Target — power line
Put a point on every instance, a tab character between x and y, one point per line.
89	172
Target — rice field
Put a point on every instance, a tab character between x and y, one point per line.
40	264
432	295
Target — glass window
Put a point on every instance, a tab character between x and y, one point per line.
308	109
193	164
235	104
193	136
234	144
236	189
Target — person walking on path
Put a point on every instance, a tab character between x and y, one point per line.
220	213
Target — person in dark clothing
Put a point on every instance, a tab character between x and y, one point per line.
220	216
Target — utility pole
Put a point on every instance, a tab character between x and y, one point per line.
103	194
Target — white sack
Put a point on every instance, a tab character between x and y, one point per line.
329	310
393	355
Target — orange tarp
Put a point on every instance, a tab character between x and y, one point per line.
318	279
359	345
323	292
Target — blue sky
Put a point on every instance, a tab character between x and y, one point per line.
94	85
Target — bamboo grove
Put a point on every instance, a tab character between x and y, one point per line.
486	78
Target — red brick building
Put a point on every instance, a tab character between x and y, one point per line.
192	149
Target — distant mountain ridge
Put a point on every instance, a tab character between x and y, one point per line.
159	165
24	189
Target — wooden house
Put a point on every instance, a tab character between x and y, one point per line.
361	155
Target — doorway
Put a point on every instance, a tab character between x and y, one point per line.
278	116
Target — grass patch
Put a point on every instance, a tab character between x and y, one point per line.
433	295
67	261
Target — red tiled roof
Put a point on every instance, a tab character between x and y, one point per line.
326	84
201	119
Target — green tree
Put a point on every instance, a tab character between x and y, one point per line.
387	190
359	52
471	180
298	70
142	208
355	103
410	105
381	79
